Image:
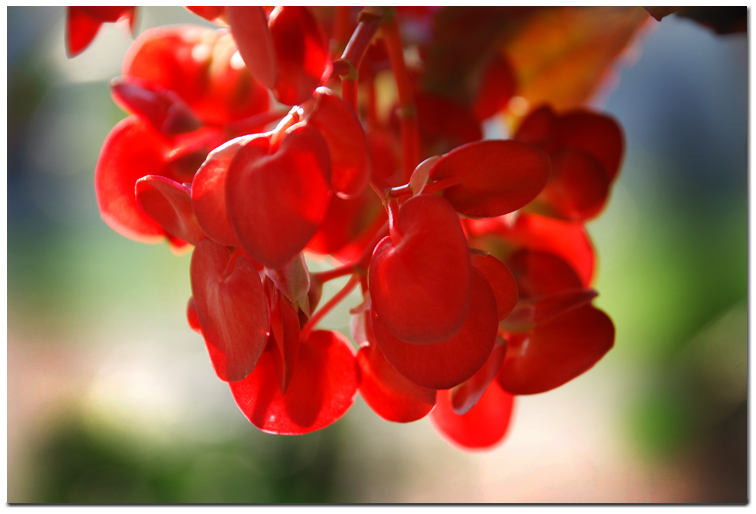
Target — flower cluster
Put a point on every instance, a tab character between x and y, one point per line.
256	144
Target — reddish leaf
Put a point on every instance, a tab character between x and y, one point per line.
466	395
169	203
500	279
346	140
419	280
321	390
231	307
578	187
209	187
562	55
277	201
131	151
556	351
161	108
492	177
389	394
301	52
482	426
250	28
449	363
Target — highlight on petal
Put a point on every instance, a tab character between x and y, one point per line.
231	307
249	25
390	395
346	140
276	202
429	264
492	177
483	426
131	151
301	52
322	388
556	351
448	363
169	203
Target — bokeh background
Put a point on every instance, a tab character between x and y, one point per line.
112	399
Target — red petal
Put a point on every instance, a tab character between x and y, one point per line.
597	134
538	310
198	64
577	189
131	151
346	140
494	177
231	307
81	29
542	274
389	394
284	332
500	279
482	426
169	203
301	53
292	279
466	395
444	123
161	108
556	351
321	390
209	187
419	284
451	362
276	202
349	225
191	316
250	28
537	128
176	58
498	84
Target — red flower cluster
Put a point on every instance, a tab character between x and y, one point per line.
474	264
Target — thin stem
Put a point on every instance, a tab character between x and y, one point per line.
253	122
407	110
393	214
335	300
325	276
370	20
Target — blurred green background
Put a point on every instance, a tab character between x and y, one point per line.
112	399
